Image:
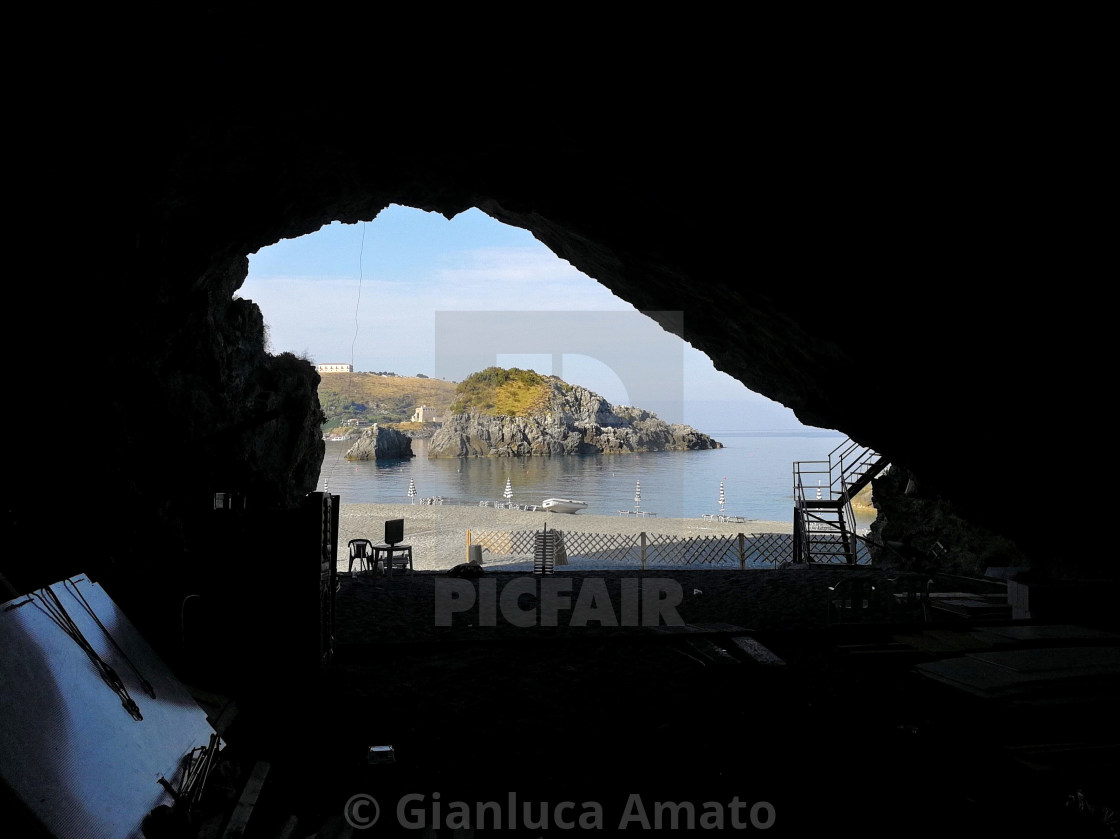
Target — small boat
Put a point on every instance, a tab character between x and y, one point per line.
563	505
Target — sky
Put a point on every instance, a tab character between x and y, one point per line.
411	291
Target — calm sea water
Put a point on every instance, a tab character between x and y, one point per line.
756	470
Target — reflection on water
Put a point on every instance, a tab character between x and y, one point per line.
756	471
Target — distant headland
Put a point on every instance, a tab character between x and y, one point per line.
520	413
496	412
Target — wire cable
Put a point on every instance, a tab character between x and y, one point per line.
353	343
47	601
148	689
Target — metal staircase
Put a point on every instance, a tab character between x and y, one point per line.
824	525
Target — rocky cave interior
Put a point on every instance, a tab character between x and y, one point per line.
843	286
843	281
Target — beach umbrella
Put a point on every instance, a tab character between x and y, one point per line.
638	495
508	494
722	500
411	490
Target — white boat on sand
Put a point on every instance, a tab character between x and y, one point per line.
563	505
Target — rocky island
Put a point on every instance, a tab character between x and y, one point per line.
378	443
520	413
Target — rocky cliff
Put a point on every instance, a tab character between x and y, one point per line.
924	533
573	421
378	442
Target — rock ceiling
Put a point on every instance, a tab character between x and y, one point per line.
903	289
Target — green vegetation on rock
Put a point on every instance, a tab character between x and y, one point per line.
499	392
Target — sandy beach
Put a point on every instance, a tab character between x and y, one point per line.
371	608
438	533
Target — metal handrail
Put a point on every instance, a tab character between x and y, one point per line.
863	459
799	472
847	459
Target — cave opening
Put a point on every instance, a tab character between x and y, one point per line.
368	296
384	280
948	243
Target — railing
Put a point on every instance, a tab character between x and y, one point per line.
640	550
805	471
846	464
817	535
645	550
851	461
827	541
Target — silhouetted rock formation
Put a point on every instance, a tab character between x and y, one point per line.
381	443
925	533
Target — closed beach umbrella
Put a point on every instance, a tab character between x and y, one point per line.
638	495
722	500
509	490
411	490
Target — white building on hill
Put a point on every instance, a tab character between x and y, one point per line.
335	368
425	413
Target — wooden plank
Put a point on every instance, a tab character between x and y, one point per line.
972	608
711	651
1049	632
944	641
243	811
1055	661
700	629
757	651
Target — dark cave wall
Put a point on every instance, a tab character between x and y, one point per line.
184	402
843	279
921	533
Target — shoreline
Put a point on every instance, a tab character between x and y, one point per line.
438	533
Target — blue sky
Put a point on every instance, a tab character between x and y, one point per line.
370	295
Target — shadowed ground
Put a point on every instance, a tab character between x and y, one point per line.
633	716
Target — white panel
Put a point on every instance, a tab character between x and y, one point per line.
68	747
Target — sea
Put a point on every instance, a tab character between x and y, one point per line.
752	475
